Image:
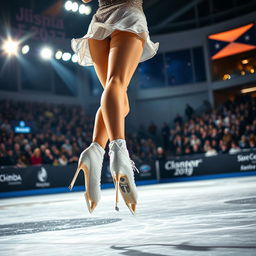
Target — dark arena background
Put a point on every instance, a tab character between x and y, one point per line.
191	132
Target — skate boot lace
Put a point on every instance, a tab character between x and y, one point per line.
131	161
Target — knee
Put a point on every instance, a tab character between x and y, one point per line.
116	81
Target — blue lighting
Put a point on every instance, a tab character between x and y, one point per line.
22	128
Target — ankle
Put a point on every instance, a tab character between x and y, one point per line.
120	142
98	146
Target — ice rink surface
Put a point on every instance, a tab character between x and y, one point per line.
212	217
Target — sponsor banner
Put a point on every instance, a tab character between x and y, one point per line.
36	177
48	176
200	165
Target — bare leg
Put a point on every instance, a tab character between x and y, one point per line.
124	55
99	50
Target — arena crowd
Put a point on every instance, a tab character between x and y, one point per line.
61	132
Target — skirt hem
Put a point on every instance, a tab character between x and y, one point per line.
81	48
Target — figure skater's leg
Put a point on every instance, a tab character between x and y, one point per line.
124	55
99	50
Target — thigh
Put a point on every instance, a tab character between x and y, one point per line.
124	55
99	50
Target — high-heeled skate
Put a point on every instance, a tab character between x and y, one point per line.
122	170
90	161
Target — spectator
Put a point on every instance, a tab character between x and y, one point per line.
252	144
223	149
7	157
210	151
48	157
178	119
187	150
196	149
17	152
194	140
66	146
243	143
165	135
152	129
22	161
189	111
234	148
71	157
227	137
63	160
36	158
178	151
160	155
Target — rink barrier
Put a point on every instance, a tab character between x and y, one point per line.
45	179
200	165
15	180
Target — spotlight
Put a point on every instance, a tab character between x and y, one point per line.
25	49
68	5
226	77
82	9
46	53
58	55
10	47
251	89
74	58
87	10
74	7
245	61
66	56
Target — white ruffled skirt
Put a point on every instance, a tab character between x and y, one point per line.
129	19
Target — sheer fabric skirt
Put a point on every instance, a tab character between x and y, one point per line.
104	22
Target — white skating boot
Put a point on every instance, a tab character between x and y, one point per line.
91	161
122	170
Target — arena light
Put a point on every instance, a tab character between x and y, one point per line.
245	61
247	90
87	10
226	77
10	47
68	5
25	49
82	9
66	56
58	55
74	58
46	53
74	7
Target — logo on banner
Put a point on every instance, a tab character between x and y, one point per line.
185	167
42	178
145	170
11	179
249	160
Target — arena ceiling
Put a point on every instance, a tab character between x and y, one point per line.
163	16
